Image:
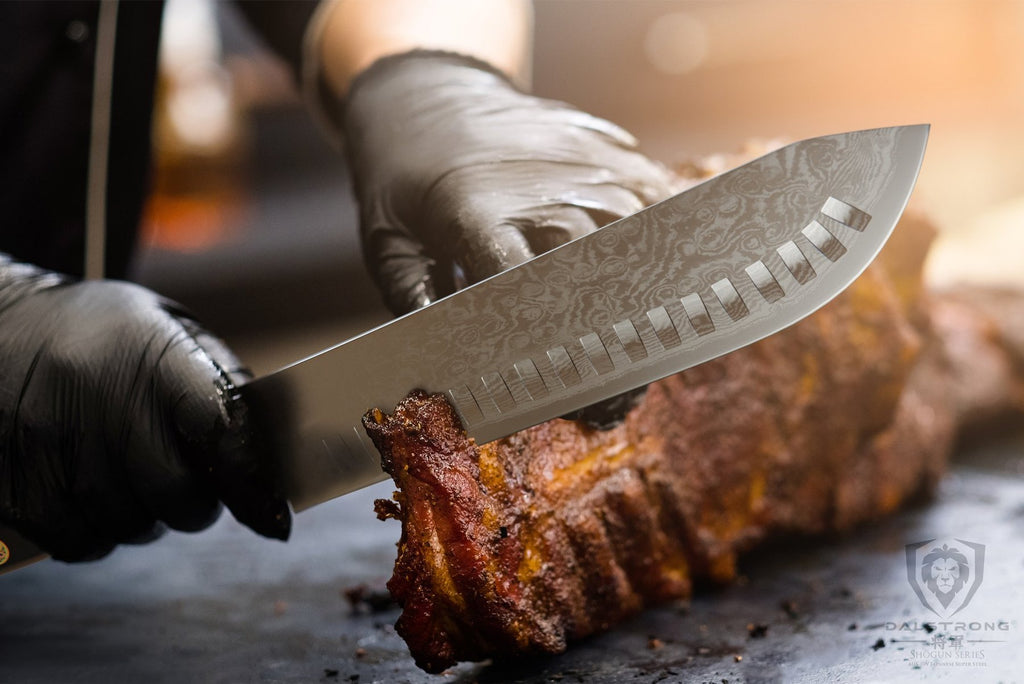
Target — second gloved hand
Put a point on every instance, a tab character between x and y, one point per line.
454	166
119	415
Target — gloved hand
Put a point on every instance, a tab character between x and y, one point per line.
454	167
119	416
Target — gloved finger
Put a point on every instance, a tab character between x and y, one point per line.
407	283
106	502
645	178
68	539
214	434
57	526
607	147
550	227
151	535
222	356
548	113
604	201
399	265
602	192
579	208
589	161
488	248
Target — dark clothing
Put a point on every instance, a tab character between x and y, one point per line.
47	58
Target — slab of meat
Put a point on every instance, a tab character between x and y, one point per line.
528	543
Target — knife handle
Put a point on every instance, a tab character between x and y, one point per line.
16	551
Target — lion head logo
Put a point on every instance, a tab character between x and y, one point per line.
945	573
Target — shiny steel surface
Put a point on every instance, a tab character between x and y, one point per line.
694	277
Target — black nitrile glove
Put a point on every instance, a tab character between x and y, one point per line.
455	167
119	416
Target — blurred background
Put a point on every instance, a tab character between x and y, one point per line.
253	227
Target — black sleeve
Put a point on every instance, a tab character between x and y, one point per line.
282	24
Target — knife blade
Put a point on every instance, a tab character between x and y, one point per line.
696	276
715	268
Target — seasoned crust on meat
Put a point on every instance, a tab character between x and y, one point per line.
525	544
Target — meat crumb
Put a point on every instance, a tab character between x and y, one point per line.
654	643
364	599
387	509
757	631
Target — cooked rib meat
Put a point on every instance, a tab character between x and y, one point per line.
528	543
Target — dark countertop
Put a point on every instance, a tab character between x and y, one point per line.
226	606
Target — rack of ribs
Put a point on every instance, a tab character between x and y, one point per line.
528	543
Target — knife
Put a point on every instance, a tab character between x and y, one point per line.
708	271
